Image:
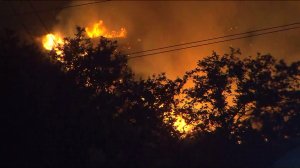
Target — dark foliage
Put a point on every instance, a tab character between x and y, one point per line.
87	109
248	100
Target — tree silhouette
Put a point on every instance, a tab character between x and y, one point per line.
81	105
243	97
42	109
128	113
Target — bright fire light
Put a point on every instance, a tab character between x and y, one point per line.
51	41
181	125
100	30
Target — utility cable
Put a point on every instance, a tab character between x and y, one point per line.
215	42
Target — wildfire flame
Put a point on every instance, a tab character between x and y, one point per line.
51	41
181	125
100	30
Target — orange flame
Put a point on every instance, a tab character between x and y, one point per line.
181	125
51	41
100	30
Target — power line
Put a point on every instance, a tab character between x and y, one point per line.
38	16
62	8
83	4
221	41
40	20
176	45
214	38
36	12
21	22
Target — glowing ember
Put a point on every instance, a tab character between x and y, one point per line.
100	30
180	123
182	126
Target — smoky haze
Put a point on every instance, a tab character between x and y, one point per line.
153	24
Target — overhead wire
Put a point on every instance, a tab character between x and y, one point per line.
15	13
36	13
176	45
41	20
62	8
215	42
39	17
214	38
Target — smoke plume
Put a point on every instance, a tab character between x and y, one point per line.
153	24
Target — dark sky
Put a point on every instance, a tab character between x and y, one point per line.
159	23
9	19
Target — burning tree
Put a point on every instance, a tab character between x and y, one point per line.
244	98
230	96
126	109
96	108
